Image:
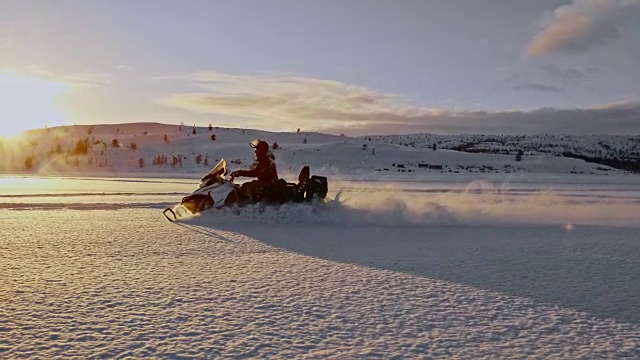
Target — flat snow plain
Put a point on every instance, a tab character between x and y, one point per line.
535	267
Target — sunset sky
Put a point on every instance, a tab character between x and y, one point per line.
354	66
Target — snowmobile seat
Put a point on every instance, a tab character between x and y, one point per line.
276	192
283	191
308	188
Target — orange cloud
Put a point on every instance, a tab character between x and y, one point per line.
289	99
582	25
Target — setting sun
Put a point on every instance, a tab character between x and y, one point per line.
27	103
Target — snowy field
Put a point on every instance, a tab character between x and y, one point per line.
537	266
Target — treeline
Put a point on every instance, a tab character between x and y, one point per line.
622	164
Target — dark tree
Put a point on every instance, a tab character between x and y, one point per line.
28	163
82	147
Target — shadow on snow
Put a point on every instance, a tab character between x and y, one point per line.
590	269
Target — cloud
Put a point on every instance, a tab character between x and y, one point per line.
528	86
619	118
569	75
284	102
74	80
125	68
617	106
289	99
547	78
582	25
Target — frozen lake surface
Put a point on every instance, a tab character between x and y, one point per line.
537	266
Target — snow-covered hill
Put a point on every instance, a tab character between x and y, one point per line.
152	148
622	152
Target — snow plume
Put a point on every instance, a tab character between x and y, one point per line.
393	212
478	203
582	25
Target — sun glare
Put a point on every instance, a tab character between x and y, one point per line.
27	103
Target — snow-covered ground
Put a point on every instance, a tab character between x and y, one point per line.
430	266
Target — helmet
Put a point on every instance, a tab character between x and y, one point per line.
260	145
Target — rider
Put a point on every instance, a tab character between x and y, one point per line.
264	169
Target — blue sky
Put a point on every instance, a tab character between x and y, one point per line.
356	66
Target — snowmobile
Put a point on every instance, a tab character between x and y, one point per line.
217	191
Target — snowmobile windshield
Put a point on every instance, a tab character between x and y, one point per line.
216	174
254	143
